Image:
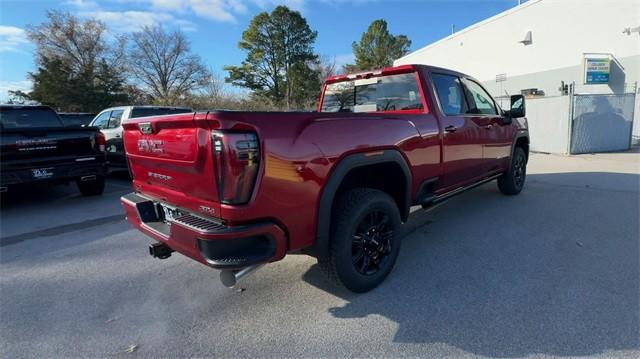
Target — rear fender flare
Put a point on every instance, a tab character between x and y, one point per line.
320	247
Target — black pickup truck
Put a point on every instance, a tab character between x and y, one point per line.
36	147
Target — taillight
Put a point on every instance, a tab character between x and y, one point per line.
236	158
101	142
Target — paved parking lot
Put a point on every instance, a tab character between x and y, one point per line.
552	272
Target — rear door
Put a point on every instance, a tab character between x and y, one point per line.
462	138
483	110
108	122
113	135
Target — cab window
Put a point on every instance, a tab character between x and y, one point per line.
450	96
115	118
480	102
102	120
377	94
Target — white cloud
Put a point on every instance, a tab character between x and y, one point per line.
298	5
82	4
6	86
171	11
131	21
168	4
11	38
218	10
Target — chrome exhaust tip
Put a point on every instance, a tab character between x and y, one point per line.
230	278
88	178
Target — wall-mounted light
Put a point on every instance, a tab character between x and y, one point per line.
528	39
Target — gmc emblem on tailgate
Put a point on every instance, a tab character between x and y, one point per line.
150	146
145	127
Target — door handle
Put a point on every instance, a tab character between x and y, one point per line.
118	136
488	127
450	128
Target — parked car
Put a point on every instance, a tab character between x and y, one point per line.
110	123
76	118
36	147
236	190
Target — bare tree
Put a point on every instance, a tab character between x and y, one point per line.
78	67
213	87
328	67
79	44
162	61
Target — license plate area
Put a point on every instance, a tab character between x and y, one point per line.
167	214
42	173
155	216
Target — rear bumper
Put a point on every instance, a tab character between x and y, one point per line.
48	173
207	240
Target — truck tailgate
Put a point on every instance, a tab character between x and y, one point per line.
46	144
170	157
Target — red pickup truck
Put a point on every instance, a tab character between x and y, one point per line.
236	190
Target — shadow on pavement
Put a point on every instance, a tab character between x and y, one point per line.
552	271
41	210
43	249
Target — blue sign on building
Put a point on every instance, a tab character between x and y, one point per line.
596	71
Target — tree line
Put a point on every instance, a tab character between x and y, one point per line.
83	67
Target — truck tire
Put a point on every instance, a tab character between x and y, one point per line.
92	188
512	181
364	241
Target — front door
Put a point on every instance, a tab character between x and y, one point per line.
463	136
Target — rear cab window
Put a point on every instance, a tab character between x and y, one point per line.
396	93
72	119
27	117
157	111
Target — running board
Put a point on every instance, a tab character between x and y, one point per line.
433	200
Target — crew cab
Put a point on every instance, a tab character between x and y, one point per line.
109	121
36	147
236	190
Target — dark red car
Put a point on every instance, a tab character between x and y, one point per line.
235	190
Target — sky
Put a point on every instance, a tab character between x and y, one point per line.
214	27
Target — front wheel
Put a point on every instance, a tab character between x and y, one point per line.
512	181
365	242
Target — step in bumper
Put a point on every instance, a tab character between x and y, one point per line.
207	240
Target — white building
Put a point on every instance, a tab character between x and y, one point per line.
540	43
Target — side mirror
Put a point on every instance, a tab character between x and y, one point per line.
518	108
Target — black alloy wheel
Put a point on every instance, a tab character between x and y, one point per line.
372	243
365	239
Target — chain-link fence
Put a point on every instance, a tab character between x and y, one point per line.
601	123
635	132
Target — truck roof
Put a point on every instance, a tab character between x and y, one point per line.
389	71
149	106
16	106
